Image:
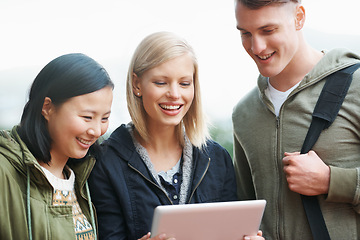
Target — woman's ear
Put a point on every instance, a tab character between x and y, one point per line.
47	108
136	85
300	17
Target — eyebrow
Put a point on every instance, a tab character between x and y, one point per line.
260	28
94	112
166	77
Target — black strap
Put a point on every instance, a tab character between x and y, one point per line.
325	112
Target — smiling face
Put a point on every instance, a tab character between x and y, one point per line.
167	91
270	35
77	123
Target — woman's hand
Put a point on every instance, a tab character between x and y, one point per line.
161	236
257	237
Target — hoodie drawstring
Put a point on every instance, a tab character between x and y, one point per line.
91	209
28	202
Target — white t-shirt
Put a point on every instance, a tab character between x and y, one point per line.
277	97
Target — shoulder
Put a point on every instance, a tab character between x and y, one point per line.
119	141
11	172
247	102
11	151
213	150
332	61
248	108
119	135
115	150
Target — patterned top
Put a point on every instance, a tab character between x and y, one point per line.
64	194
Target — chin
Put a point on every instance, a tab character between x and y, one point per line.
268	73
80	155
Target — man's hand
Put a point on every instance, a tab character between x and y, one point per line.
306	174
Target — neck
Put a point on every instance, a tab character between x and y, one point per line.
164	149
55	167
301	64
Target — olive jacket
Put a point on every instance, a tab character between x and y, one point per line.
23	184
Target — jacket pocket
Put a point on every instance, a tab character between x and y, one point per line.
61	222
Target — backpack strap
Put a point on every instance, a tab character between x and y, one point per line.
325	112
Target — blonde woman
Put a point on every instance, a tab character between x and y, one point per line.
164	156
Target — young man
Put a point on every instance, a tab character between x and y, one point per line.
271	122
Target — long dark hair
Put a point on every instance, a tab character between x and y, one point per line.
64	77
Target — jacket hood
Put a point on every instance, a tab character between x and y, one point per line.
20	157
331	62
15	150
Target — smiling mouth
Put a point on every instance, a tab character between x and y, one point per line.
265	57
83	141
170	107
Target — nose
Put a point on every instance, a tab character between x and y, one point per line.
173	91
258	45
94	130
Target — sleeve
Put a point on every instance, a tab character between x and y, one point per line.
245	186
111	219
345	186
5	198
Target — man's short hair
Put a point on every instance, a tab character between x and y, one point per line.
256	4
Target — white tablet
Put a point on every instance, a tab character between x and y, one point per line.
210	221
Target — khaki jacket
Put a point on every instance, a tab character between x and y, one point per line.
47	221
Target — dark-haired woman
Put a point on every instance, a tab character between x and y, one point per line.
45	160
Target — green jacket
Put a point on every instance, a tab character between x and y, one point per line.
47	221
261	138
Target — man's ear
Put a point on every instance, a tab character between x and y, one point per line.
300	17
47	108
136	85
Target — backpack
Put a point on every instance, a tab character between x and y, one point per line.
325	112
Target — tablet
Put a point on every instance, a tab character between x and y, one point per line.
210	221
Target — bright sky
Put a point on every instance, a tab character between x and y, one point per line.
33	32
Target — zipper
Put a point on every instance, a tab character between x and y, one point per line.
202	177
151	182
278	205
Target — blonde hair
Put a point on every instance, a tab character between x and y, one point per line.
152	51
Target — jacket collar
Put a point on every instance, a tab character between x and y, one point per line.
20	157
122	144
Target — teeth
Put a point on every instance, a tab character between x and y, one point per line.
170	107
84	141
265	57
